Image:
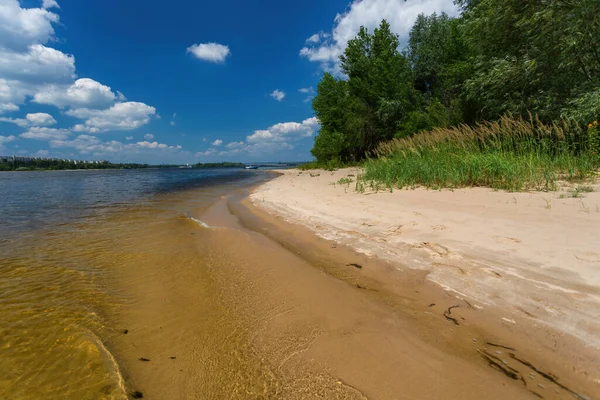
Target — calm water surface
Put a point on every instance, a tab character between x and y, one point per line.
34	200
61	234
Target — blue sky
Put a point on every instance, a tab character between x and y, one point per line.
175	82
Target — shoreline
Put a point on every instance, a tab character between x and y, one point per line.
119	169
497	248
297	199
250	305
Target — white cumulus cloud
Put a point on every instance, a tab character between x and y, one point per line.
22	27
88	144
31	69
47	4
317	37
43	133
148	136
217	142
212	52
307	90
6	139
278	95
83	92
235	145
285	131
38	64
8	107
368	13
207	153
25	61
267	142
35	119
120	117
14	92
40	119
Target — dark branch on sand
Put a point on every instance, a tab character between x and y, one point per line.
448	315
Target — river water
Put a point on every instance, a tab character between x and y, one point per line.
63	235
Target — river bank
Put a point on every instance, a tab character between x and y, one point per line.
236	301
222	309
529	259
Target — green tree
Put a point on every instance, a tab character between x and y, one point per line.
534	56
360	111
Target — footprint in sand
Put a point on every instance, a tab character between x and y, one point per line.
589	256
433	247
354	233
449	266
507	240
439	228
394	230
399	229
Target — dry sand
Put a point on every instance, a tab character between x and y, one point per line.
534	255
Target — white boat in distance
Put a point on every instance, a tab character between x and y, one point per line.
251	167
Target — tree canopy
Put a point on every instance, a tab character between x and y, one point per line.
498	57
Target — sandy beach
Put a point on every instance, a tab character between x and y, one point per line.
533	253
531	258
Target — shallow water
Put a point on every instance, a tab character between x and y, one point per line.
62	236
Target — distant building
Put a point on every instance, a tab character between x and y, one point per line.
25	159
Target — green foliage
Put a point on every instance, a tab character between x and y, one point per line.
331	164
345	181
500	60
434	115
577	192
308	166
512	154
584	108
594	139
439	53
59	164
532	56
357	113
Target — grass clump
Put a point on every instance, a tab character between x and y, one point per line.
577	192
512	154
345	181
584	189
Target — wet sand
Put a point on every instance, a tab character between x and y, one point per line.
253	307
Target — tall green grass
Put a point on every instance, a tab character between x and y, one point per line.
511	154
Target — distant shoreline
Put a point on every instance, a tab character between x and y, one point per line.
113	169
26	164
